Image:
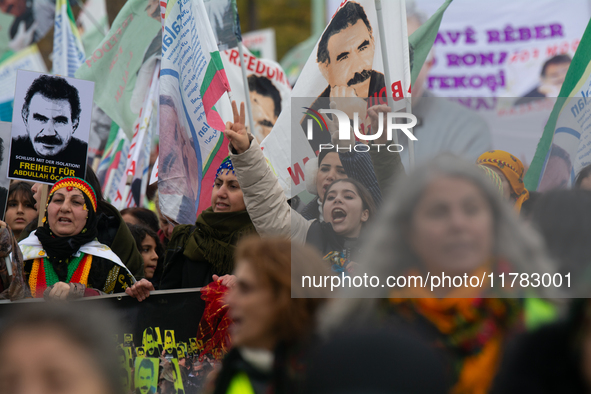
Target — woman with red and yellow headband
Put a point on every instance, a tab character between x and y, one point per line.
62	258
511	171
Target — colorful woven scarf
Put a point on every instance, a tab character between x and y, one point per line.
471	328
43	274
513	170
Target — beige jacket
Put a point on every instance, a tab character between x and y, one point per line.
264	198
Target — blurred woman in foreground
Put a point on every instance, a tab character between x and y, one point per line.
447	217
271	329
48	348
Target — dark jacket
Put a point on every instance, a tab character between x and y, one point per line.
548	360
285	376
197	252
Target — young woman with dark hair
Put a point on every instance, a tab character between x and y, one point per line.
152	252
346	207
20	208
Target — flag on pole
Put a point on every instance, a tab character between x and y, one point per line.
565	146
112	166
421	41
192	82
68	52
137	156
223	17
123	63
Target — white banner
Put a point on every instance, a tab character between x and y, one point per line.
261	43
346	62
499	48
490	56
268	85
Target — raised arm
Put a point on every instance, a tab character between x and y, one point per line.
263	196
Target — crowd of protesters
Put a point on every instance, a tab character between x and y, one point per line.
447	215
461	211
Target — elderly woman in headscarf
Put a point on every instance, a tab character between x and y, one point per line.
511	171
62	258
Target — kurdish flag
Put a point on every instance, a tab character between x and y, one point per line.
111	169
565	146
193	86
68	52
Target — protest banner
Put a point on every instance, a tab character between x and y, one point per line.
482	54
141	333
357	73
261	43
498	49
123	64
28	59
68	53
24	23
192	81
565	146
267	84
50	127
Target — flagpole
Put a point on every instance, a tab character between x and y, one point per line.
387	75
246	90
91	18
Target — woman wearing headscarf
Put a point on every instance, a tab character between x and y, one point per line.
511	171
198	254
112	230
62	257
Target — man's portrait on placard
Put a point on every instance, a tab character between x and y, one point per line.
169	344
265	101
150	342
50	127
32	20
146	375
345	55
345	59
51	114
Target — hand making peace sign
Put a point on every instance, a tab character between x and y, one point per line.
236	132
